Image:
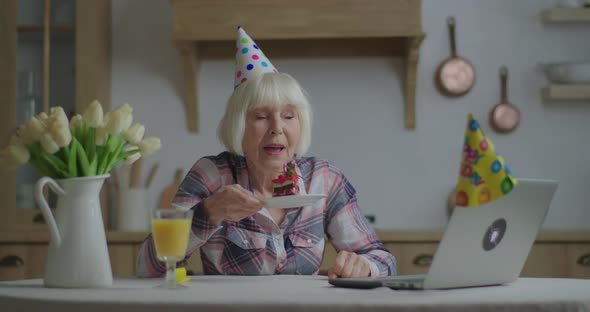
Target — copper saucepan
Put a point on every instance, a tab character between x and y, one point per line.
504	117
455	76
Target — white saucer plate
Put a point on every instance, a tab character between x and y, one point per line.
292	201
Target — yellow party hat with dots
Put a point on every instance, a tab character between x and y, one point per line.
484	175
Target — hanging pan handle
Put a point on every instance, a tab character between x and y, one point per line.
504	84
451	24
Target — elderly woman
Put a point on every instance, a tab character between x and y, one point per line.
267	123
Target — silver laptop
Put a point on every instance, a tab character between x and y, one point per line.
485	245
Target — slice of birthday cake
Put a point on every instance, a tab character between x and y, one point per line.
286	183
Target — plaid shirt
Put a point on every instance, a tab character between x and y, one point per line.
256	245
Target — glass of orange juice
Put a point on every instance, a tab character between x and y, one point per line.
170	231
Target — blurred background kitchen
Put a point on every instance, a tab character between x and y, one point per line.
362	102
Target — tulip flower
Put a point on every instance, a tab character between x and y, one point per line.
76	121
61	134
49	144
89	144
42	116
14	155
134	134
57	114
124	108
34	129
20	153
132	157
119	121
93	115
101	136
149	146
26	135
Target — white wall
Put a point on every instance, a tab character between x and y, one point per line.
403	177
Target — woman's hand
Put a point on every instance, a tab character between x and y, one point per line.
349	264
231	202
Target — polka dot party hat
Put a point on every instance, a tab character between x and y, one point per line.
250	60
483	176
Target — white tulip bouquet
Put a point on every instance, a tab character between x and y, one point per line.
89	144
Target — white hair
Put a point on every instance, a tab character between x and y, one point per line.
270	89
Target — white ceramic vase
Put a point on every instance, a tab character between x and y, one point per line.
78	256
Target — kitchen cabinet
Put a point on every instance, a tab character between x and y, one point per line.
306	28
568	92
23	254
560	254
53	52
578	260
546	260
413	258
564	254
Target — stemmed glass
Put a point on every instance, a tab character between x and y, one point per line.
170	230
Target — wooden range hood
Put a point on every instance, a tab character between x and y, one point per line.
206	29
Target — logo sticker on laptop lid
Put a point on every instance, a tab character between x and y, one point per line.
494	234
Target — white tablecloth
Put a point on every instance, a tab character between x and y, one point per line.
292	293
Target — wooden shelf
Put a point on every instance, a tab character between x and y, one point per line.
577	92
306	28
566	15
568	92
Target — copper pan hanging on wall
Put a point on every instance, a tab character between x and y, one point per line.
455	76
504	117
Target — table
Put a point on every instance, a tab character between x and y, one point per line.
292	293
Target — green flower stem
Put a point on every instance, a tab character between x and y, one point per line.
56	164
66	152
104	154
114	157
90	145
44	171
74	132
82	158
35	150
83	133
93	165
102	164
126	154
72	163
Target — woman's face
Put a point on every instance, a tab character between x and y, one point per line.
271	136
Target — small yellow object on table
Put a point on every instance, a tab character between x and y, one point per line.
181	276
